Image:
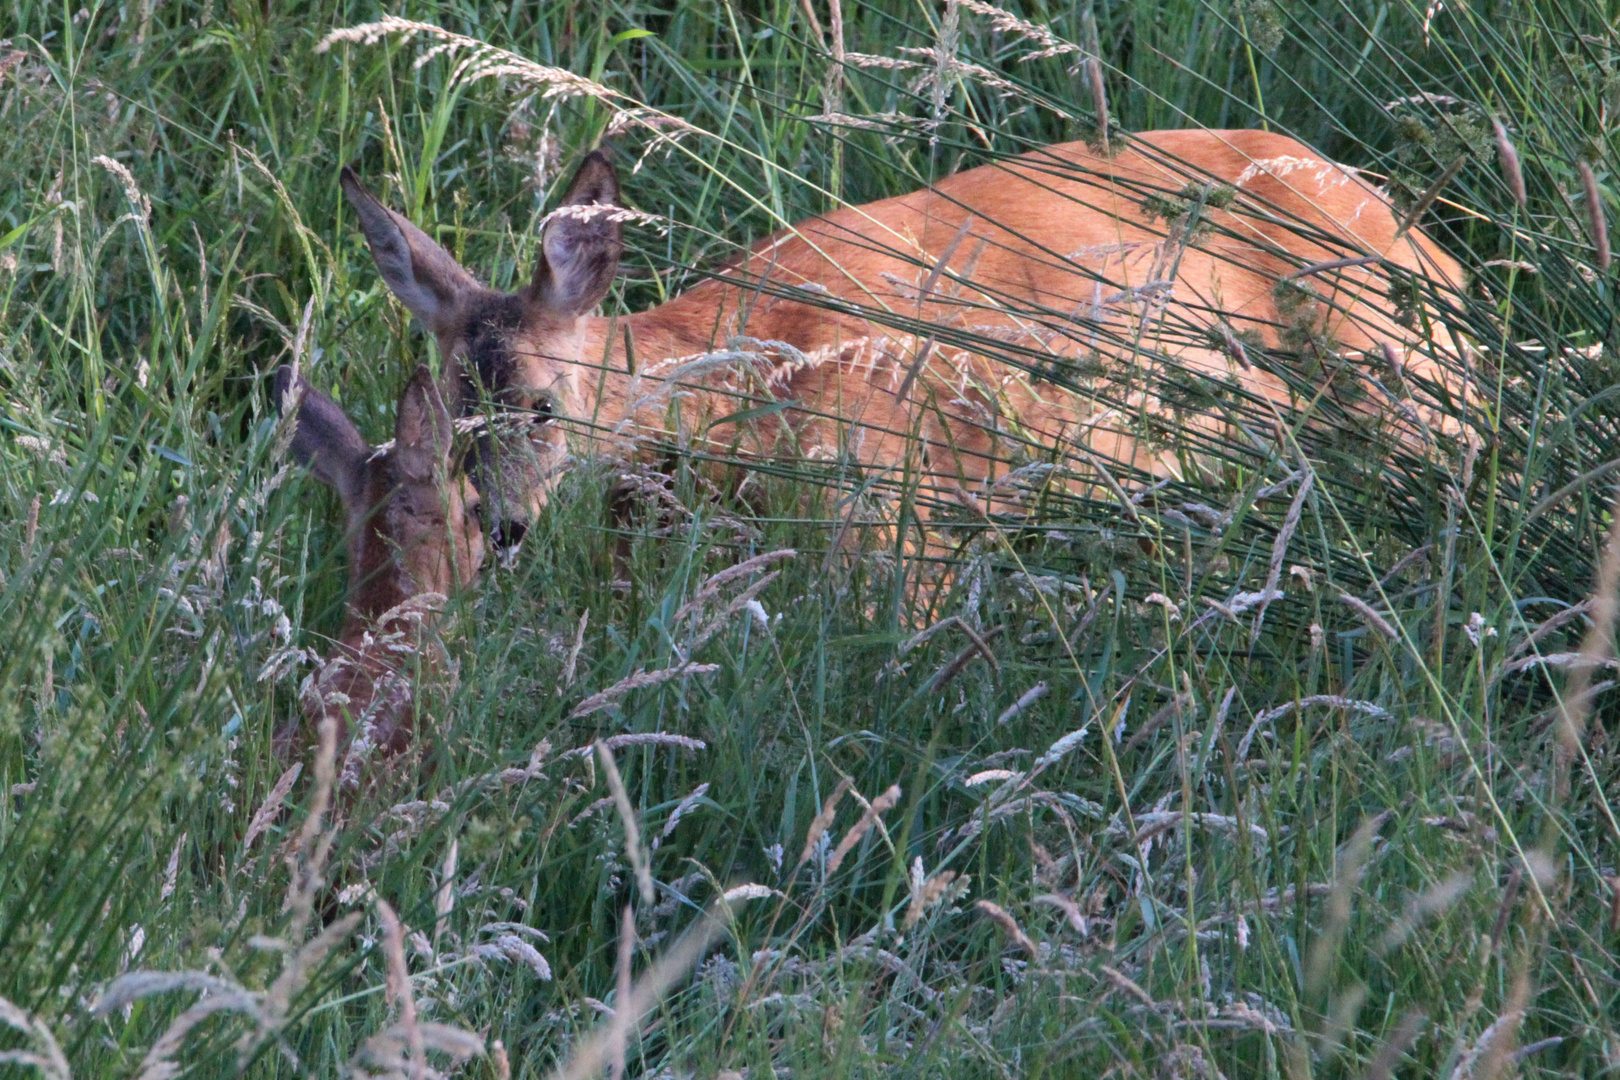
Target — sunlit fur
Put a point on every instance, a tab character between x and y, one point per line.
1051	254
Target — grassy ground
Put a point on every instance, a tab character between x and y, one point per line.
1132	836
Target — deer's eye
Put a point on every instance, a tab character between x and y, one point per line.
542	411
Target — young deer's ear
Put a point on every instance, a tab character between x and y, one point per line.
425	277
325	440
422	430
579	254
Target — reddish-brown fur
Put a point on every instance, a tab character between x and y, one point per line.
413	538
1051	253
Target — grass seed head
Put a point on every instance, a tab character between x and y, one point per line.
880	805
822	822
1009	926
1507	156
1597	221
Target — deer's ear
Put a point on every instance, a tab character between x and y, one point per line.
324	439
425	277
422	430
579	253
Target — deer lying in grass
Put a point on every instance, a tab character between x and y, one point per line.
413	537
902	334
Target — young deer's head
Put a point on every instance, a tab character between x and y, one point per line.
413	535
518	352
412	519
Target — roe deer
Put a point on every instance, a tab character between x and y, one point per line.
1173	261
413	537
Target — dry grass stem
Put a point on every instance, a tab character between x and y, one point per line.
821	823
1504	910
1597	649
712	586
1432	193
880	805
1006	22
1570	661
1025	700
1419	909
1494	1048
1060	749
590	1055
159	1063
1009	926
1279	548
140	205
1123	982
46	1055
484	60
1071	911
684	807
1270	716
31	524
618	1028
640	738
171	872
271	806
444	902
632	831
398	988
570	666
1368	615
978	647
1394	1049
1352	863
723	619
1597	221
926	893
1507	156
747	891
1574	611
308	859
297	969
1155	822
638	681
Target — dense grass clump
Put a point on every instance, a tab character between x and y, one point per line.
1302	770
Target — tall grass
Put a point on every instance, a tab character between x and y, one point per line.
1097	807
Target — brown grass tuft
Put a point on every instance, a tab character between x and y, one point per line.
880	805
1507	156
1597	221
1009	926
821	823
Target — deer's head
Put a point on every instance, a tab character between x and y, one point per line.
519	354
413	523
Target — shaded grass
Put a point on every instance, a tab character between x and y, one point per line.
1374	869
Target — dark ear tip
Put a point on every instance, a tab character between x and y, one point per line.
597	169
422	382
421	379
349	181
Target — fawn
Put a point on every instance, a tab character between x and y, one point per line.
413	536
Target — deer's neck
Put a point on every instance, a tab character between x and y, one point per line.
377	583
615	349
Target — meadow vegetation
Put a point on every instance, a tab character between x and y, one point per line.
1296	768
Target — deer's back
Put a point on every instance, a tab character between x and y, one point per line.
1055	256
